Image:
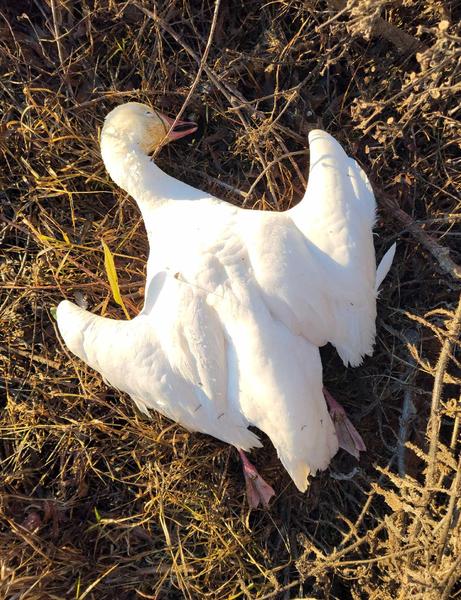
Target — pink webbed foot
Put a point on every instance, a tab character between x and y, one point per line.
258	491
349	438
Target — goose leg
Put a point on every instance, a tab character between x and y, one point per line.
258	491
348	437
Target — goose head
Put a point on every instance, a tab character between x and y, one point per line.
142	127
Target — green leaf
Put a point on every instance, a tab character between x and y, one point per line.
53	310
112	277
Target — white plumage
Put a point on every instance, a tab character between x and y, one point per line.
238	302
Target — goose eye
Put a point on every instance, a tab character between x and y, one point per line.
148	113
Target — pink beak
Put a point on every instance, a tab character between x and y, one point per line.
180	129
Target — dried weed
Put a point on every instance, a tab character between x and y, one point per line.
95	501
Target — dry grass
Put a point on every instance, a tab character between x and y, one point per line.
97	502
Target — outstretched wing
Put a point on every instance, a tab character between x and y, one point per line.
336	216
171	358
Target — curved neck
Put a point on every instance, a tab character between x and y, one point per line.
133	170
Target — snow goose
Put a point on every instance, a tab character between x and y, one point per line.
238	302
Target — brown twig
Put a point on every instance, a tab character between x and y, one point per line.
440	253
435	418
31	356
201	67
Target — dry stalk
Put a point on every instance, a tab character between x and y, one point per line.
97	501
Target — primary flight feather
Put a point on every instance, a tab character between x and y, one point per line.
238	302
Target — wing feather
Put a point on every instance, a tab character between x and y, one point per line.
337	216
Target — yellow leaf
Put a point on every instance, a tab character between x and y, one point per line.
53	241
48	238
112	276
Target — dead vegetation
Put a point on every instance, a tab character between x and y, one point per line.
95	501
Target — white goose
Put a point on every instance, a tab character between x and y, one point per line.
238	302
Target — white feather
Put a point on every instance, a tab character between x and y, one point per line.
238	303
384	265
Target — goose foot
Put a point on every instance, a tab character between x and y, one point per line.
349	438
258	491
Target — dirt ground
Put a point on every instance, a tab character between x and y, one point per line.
98	502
